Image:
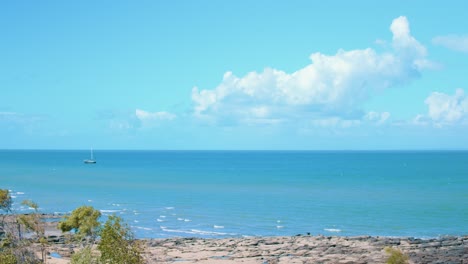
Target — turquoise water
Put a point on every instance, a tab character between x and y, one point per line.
247	193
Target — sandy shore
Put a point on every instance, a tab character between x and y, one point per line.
296	249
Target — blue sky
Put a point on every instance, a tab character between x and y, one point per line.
233	75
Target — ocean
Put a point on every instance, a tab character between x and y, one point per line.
217	194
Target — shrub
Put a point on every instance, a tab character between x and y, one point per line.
396	256
85	256
7	257
117	244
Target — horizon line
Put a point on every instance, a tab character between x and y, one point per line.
239	150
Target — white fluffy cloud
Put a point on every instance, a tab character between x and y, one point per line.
454	42
330	88
448	109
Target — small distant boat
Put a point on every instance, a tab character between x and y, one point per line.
91	160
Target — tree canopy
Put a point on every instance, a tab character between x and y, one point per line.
5	200
117	245
83	220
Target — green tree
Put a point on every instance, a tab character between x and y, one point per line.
117	244
5	200
33	222
84	221
5	205
7	255
13	247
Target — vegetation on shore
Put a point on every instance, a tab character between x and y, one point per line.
21	234
396	256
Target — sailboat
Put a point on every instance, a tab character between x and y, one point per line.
91	160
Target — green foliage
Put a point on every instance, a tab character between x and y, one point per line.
7	257
85	256
31	204
6	241
32	222
5	200
13	252
396	256
117	245
84	220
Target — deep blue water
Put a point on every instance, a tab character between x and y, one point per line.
244	193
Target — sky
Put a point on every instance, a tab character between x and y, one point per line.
234	75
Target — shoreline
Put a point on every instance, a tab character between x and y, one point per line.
305	249
291	249
277	249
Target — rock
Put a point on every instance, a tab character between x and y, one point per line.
451	243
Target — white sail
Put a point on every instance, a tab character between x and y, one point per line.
91	160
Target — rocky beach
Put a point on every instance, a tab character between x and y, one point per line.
295	249
276	249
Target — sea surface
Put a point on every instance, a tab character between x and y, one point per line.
251	193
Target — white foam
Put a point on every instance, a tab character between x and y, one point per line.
169	208
187	220
210	233
136	221
90	200
162	216
334	230
218	227
142	228
159	220
194	232
109	211
19	193
180	219
13	196
279	226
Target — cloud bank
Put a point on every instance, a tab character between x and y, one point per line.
330	90
444	109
